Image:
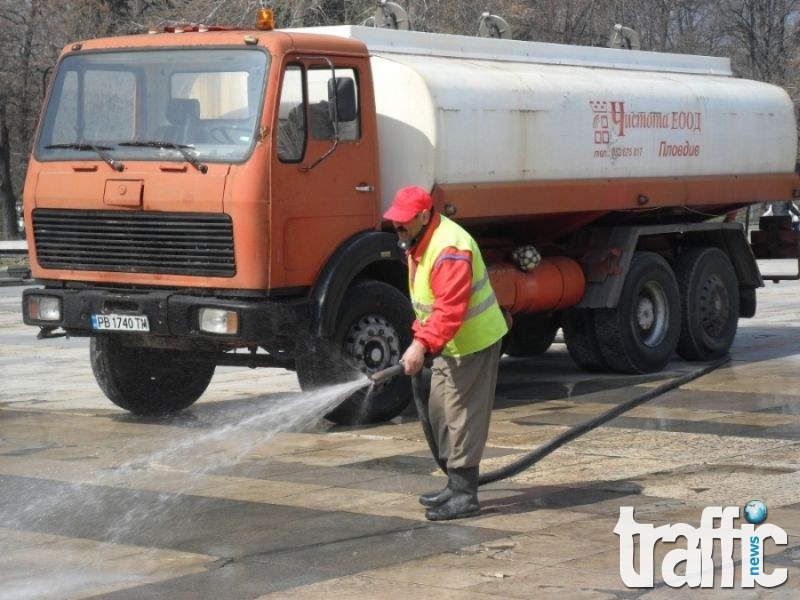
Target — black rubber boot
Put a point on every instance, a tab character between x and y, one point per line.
463	500
432	499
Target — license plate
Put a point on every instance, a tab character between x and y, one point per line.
114	322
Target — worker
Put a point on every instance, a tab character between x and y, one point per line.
459	323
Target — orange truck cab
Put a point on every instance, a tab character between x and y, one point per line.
176	211
209	196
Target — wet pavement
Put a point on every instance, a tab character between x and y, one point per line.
236	498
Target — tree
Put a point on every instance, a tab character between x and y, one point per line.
7	198
763	37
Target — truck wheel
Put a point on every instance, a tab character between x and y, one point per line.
709	303
372	331
641	333
581	340
531	335
147	381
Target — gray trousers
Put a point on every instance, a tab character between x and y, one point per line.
460	405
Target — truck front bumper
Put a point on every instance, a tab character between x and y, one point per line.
170	314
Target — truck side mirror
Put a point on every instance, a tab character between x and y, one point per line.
343	96
342	108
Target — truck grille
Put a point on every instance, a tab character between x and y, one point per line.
135	242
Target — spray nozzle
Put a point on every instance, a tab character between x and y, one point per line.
387	373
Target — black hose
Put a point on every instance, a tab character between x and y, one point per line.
539	453
421	402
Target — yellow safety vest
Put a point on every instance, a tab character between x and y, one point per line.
484	323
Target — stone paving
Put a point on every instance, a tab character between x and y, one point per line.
229	501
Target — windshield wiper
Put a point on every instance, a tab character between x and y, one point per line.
182	148
102	151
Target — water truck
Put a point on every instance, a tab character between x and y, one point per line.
207	196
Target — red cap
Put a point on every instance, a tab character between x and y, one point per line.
408	203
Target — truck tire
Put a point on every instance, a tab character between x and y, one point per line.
641	333
147	381
747	303
372	331
581	340
709	293
531	335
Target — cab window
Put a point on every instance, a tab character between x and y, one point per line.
305	110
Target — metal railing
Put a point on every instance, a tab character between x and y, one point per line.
14	247
14	274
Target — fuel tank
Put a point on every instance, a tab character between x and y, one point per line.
556	283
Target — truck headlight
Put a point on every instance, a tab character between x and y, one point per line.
219	321
44	308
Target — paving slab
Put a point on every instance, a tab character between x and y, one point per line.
232	499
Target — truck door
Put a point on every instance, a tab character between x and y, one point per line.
321	194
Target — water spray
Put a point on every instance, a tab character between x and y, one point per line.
537	454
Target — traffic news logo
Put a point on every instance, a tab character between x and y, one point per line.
698	554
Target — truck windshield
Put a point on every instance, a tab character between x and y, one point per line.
155	104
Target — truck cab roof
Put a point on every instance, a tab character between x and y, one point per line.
278	41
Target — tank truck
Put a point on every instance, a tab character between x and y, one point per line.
208	196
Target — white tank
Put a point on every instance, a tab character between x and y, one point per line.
456	109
